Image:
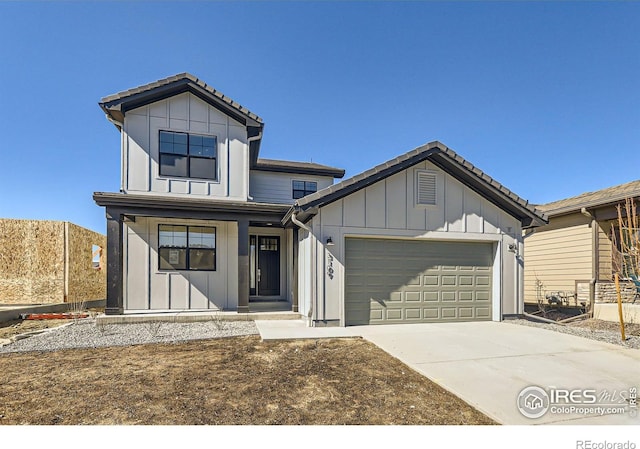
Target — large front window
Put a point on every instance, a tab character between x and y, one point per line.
188	155
187	247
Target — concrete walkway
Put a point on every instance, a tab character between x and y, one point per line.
488	364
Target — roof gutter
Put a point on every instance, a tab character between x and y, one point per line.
116	123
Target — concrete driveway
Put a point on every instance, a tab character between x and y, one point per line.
488	364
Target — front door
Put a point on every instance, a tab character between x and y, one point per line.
268	266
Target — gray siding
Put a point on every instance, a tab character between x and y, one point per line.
184	113
148	288
388	209
272	187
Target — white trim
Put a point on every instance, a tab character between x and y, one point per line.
496	286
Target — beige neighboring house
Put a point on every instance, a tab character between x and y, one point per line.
50	262
571	258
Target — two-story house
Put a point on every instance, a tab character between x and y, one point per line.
201	222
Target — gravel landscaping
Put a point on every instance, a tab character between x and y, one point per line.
592	329
87	334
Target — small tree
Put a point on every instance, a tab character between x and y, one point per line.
626	241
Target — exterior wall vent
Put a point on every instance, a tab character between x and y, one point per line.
426	188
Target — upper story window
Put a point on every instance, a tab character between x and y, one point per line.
188	155
304	188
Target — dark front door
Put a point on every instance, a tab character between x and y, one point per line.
268	266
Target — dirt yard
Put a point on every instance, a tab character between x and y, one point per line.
238	380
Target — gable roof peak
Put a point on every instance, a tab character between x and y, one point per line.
116	105
444	158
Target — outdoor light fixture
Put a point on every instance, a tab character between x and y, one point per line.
330	241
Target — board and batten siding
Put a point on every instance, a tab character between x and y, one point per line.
148	288
272	187
183	113
558	255
388	209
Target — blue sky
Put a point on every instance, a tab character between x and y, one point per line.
543	96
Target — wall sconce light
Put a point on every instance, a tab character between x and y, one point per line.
513	248
330	241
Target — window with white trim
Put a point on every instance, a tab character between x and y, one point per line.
426	188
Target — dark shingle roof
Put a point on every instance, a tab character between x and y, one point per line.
599	198
445	158
115	105
310	168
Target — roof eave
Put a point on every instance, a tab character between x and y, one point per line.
116	106
448	161
328	171
611	202
125	200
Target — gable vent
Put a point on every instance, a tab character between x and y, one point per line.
426	188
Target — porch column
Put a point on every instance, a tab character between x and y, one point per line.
294	296
114	263
243	265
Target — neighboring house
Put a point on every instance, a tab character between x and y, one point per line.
202	223
574	254
50	262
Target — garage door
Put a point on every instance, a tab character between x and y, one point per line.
409	281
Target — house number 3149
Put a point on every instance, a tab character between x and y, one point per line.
330	266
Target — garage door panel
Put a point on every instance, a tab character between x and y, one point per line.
449	312
413	314
448	280
430	280
465	296
465	280
448	296
430	296
387	280
431	314
465	312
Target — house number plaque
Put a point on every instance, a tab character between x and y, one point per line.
330	266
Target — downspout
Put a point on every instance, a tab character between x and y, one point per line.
249	140
298	223
301	225
594	259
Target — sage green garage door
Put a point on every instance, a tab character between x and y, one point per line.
410	281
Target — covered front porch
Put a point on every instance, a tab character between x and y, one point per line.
252	258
